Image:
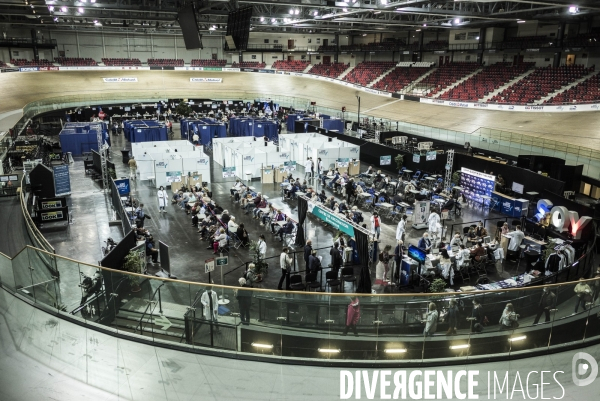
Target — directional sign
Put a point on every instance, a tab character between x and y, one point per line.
209	265
222	261
163	321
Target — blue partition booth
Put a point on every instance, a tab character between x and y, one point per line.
145	131
79	138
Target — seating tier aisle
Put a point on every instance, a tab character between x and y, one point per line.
367	71
400	78
332	70
290	65
486	81
540	83
448	74
122	62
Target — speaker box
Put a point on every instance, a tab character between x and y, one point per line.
189	27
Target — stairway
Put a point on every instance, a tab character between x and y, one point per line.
566	87
508	84
343	74
307	69
412	85
370	85
455	84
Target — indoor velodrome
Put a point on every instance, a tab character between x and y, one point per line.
291	200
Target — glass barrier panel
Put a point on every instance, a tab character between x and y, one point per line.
7	277
571	317
23	274
45	278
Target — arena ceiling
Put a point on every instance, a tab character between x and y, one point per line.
302	16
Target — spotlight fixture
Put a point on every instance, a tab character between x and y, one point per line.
424	24
264	346
80	9
329	350
50	8
457	21
462	346
92	1
573	9
63	9
345	10
521	21
519	338
315	13
262	19
395	351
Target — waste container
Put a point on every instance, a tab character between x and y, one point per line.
125	154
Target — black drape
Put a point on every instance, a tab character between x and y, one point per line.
364	280
302	210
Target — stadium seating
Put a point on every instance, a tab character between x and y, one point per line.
165	62
367	71
208	63
587	91
328	48
539	84
525	42
3	64
484	82
448	74
249	64
294	65
122	62
75	61
436	45
399	78
332	70
20	62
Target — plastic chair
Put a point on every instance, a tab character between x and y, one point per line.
331	280
296	283
348	277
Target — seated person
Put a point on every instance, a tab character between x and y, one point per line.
371	190
242	234
478	252
480	230
471	235
269	215
322	196
334	180
342	207
236	187
262	205
456	240
357	216
425	243
288	228
378	177
231	225
462	255
277	217
449	205
398	198
330	174
367	173
150	250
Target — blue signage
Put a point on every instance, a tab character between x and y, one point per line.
123	186
62	180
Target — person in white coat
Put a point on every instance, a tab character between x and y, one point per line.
162	199
211	305
433	221
376	225
308	165
262	246
401	229
515	239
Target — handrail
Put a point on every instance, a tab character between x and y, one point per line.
29	221
150	302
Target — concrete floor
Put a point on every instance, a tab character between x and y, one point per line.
92	213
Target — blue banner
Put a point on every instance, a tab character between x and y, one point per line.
62	180
123	186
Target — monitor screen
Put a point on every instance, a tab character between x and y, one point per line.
518	188
487	240
417	254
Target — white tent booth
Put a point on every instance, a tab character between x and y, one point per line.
247	155
166	162
315	145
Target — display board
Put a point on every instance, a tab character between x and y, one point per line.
123	186
62	180
228	172
421	212
476	184
385	160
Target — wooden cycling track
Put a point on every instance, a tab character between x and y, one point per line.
577	128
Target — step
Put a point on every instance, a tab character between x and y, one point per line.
411	86
343	74
566	87
507	85
379	78
307	69
461	80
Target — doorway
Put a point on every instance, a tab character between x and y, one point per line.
325	42
518	59
570	59
291	44
441	62
326	59
290	58
447	59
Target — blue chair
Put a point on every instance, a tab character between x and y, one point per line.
369	202
417	175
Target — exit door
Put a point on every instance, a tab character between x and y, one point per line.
291	44
518	59
326	59
570	59
447	59
441	62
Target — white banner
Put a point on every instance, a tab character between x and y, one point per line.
506	107
231	69
209	80
117	80
474	173
99	68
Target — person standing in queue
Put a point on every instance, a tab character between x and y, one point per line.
285	261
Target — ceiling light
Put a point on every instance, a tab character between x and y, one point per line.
264	346
395	350
262	19
457	20
55	19
292	11
519	338
92	1
80	9
329	350
384	2
50	8
63	9
462	346
418	30
315	13
573	9
477	38
520	21
83	1
424	24
297	12
345	10
273	20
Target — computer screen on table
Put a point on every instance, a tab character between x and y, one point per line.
518	188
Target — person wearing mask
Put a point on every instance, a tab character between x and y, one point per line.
431	320
471	236
287	228
336	258
547	302
425	243
242	234
210	306
285	262
509	319
433	221
401	228
478	252
220	240
150	250
382	268
308	165
262	246
314	263
584	294
278	216
140	216
398	255
452	318
376	225
462	256
320	169
231	225
307	252
195	138
244	297
480	230
477	317
225	217
163	197
352	316
456	241
515	239
132	168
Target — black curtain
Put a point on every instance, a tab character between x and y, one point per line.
302	210
364	280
